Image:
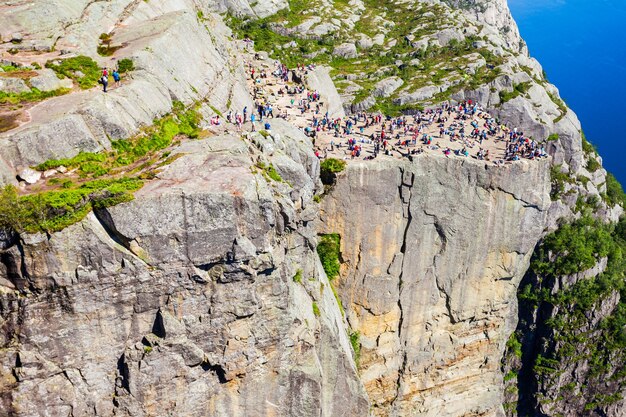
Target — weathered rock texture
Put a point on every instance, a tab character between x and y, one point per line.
433	252
177	57
182	302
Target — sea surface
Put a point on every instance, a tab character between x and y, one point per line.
582	47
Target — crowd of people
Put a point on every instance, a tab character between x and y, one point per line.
464	129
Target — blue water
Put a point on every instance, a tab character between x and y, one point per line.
582	47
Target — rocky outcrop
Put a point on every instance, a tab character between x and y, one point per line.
319	80
182	302
177	57
430	285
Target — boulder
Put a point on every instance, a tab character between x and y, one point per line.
379	39
345	50
386	87
445	36
319	79
365	42
420	94
13	85
47	80
29	175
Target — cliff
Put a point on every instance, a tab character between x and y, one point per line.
430	286
183	302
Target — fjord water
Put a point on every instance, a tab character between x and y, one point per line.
582	47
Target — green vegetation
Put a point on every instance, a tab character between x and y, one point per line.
328	250
125	65
510	376
128	151
588	148
329	169
11	68
69	202
356	346
518	90
592	164
298	276
82	69
575	335
339	303
269	172
30	96
105	48
558	180
435	64
614	191
316	309
514	345
553	137
560	104
52	211
574	248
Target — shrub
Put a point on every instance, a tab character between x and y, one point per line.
573	248
614	191
30	96
558	180
518	90
588	148
55	210
125	65
329	169
592	164
70	68
298	276
328	250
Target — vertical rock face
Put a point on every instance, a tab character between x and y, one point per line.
433	252
182	302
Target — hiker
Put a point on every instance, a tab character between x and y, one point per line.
245	114
104	80
252	120
116	78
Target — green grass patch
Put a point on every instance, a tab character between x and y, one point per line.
74	67
33	95
297	278
269	172
328	250
127	151
355	341
329	168
518	90
316	309
125	65
55	210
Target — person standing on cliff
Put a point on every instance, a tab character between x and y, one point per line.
116	78
105	82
